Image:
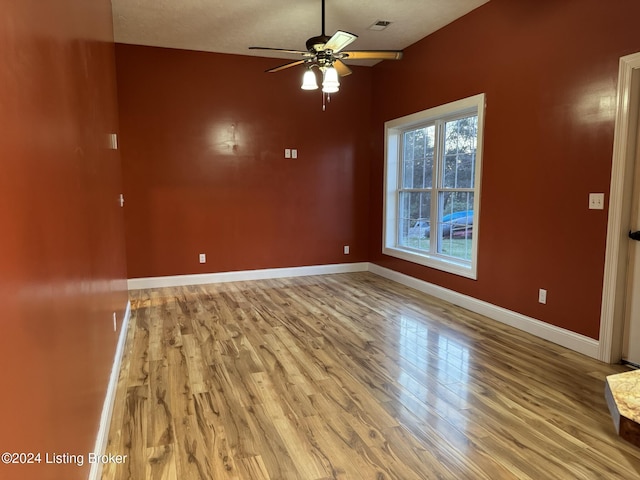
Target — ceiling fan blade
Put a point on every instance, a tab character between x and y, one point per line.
342	69
373	55
285	66
283	50
339	40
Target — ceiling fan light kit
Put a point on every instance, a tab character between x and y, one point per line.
326	54
330	82
309	81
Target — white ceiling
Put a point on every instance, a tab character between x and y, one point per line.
232	26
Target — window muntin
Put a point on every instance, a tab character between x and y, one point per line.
432	177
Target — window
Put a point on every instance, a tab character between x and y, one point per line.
432	177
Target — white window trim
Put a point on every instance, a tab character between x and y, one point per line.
393	131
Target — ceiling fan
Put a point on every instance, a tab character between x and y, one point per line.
327	54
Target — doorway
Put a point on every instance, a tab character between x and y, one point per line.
631	336
619	317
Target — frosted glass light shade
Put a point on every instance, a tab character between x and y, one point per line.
330	82
309	81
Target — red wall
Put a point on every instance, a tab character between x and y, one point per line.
62	259
549	70
203	139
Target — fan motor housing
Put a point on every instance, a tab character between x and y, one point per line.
315	44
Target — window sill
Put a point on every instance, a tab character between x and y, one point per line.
439	263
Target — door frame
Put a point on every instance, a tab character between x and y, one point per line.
622	169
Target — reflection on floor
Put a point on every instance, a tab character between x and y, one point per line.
351	376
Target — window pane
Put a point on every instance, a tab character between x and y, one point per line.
432	159
417	158
460	152
414	220
456	225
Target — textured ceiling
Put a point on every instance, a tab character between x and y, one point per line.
232	26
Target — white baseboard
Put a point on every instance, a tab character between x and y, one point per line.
557	335
107	409
240	276
560	336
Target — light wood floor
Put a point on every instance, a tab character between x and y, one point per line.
351	376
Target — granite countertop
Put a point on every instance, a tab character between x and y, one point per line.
625	388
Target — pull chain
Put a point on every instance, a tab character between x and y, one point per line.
326	98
